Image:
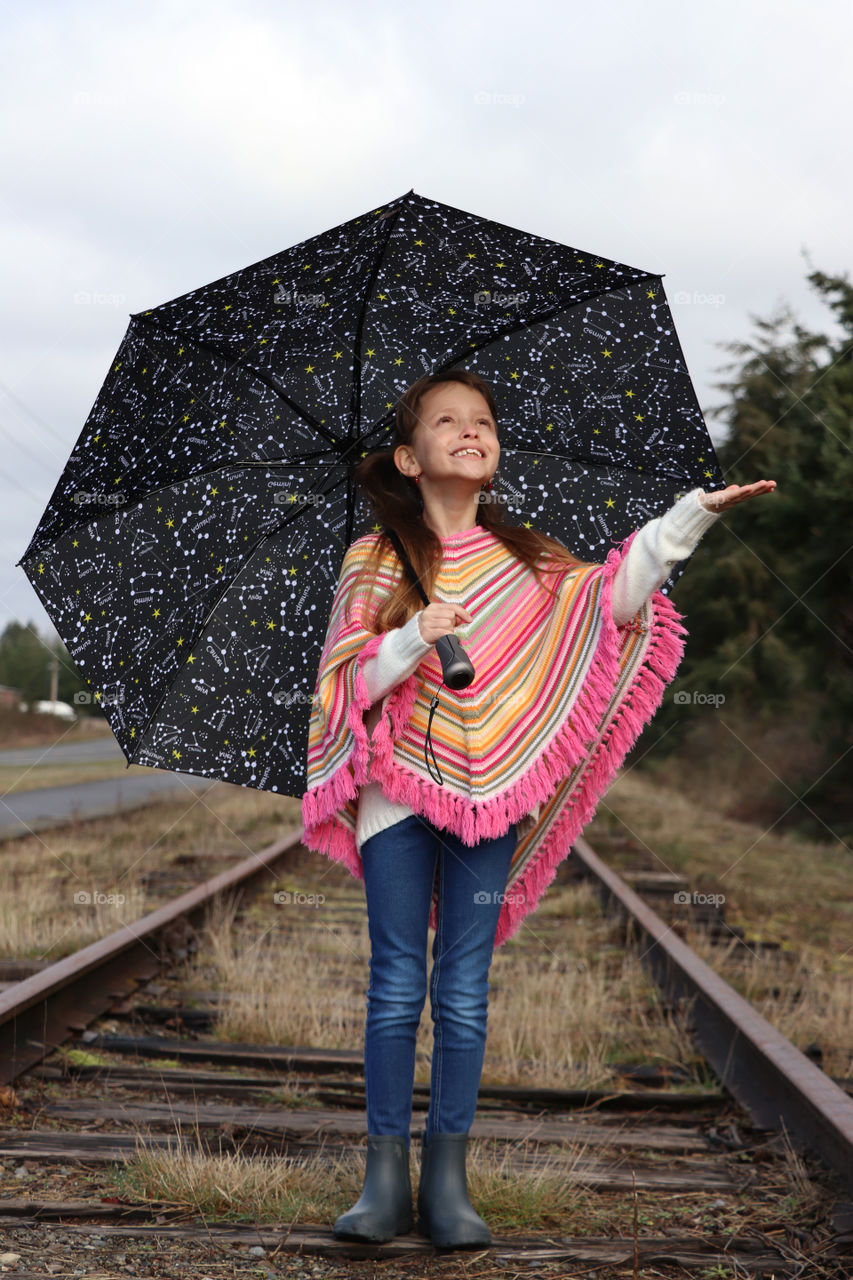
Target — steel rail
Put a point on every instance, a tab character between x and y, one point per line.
40	1012
776	1083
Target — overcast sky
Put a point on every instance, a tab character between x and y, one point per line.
151	147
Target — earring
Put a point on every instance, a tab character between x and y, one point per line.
417	478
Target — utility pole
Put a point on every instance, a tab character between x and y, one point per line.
53	667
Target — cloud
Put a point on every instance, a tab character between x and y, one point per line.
151	147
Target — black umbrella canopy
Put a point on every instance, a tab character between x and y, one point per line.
189	553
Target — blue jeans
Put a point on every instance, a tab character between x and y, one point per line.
400	865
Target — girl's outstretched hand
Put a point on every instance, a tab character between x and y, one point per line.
722	499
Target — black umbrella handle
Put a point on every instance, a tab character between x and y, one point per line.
456	666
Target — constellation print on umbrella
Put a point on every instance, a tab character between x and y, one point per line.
190	551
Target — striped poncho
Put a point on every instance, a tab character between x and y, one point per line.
559	697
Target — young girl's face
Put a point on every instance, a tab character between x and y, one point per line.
454	417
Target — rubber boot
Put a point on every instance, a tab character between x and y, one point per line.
384	1208
445	1213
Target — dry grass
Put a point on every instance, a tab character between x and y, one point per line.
565	1001
778	886
560	1015
563	1012
22	729
15	779
282	994
803	1193
804	997
41	874
56	920
548	1195
287	1190
242	1188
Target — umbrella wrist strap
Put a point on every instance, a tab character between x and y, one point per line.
428	743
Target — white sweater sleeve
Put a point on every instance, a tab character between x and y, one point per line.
659	545
400	652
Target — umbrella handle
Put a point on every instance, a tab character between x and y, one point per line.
456	666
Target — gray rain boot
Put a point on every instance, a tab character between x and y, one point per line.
384	1208
445	1213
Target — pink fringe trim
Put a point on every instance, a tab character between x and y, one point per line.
472	823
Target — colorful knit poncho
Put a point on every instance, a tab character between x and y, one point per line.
559	697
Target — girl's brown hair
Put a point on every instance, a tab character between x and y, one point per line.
396	502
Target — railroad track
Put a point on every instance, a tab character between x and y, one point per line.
658	1137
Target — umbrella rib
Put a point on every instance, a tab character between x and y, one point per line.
545	315
577	457
390	220
539	319
225	355
355	396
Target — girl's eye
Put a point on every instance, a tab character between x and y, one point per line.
445	417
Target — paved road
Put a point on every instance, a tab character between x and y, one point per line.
65	752
28	811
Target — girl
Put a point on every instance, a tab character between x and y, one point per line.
565	678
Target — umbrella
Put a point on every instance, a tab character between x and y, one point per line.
190	551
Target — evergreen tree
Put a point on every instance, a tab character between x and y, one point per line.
767	597
25	664
24	661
